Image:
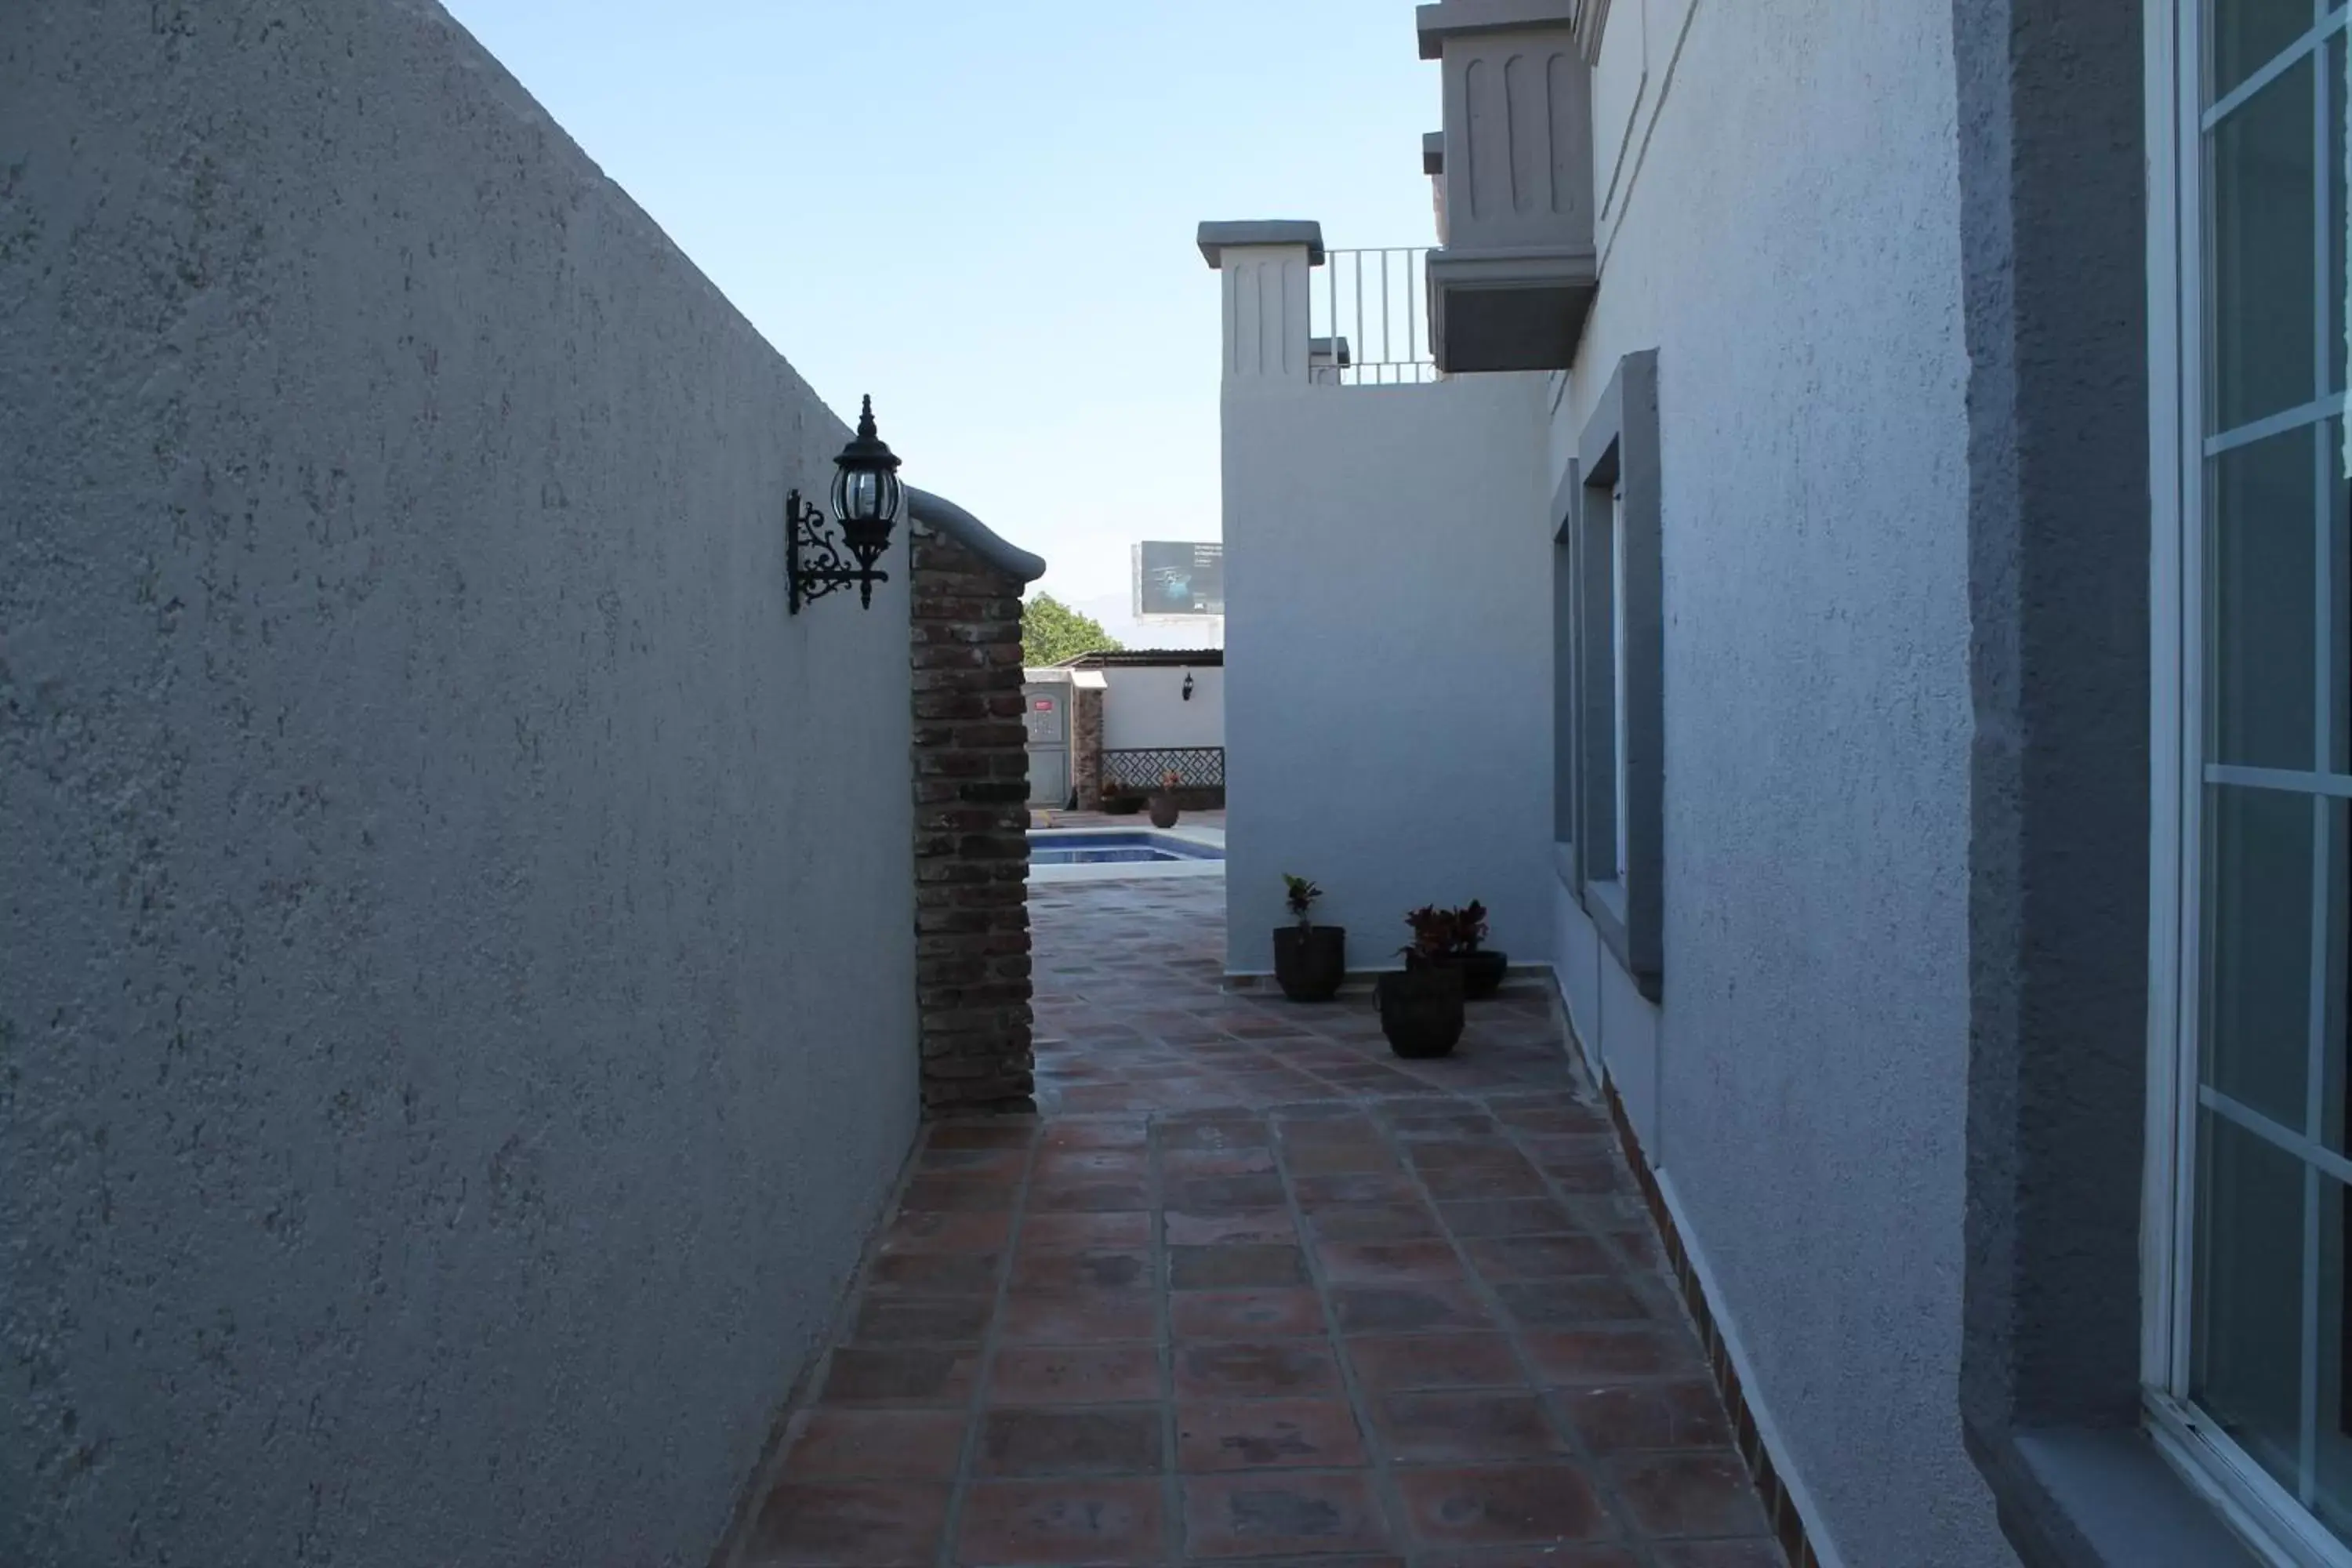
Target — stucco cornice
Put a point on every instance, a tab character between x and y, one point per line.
1216	238
1455	19
942	514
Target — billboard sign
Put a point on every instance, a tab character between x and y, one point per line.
1178	580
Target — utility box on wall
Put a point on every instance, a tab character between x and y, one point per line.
1518	269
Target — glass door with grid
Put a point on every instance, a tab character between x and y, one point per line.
2258	1351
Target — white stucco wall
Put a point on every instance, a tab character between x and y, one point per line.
456	929
1790	246
1145	707
1388	650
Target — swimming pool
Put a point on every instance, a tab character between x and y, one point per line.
1050	848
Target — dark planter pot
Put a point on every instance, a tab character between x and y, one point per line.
1122	804
1310	962
1420	1009
1482	972
1163	811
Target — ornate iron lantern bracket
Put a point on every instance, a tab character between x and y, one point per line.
866	495
817	563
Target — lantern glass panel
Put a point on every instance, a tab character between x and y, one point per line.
856	495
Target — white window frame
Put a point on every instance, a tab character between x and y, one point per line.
2261	1511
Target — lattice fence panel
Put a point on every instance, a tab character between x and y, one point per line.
1195	767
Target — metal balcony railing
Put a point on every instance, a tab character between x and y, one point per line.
1367	317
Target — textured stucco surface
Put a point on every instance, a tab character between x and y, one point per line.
1790	246
1145	706
1388	654
456	929
2052	139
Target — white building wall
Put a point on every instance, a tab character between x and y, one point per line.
457	928
1144	706
1781	222
1388	638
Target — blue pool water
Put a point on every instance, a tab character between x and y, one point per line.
1109	849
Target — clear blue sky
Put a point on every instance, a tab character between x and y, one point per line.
984	213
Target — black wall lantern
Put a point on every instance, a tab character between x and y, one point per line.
865	502
1188	686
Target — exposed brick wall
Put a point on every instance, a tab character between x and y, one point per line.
971	831
1086	745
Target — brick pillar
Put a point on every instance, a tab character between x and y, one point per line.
1086	744
971	831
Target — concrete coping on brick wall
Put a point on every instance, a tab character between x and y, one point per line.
942	514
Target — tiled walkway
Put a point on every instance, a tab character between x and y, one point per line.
1252	1287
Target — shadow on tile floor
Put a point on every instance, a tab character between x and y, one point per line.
1251	1289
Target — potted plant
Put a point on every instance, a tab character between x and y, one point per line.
1163	801
1421	1006
1455	939
1483	968
1309	960
1121	799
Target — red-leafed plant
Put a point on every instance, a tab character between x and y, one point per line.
1439	933
1433	933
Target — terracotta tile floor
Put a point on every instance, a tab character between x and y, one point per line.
1249	1287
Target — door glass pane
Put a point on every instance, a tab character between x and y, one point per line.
2257	920
2334	1498
2264	316
2247	33
2330	461
2261	556
2269	1341
2247	1354
2333	287
2333	1115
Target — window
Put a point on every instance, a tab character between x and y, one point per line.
2249	1356
1612	519
1567	806
1610	716
1604	748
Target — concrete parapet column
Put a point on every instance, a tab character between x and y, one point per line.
1265	266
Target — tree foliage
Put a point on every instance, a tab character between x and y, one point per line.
1051	632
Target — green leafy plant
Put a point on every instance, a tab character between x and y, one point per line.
1300	894
1051	632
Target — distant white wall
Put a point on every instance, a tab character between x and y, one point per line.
1144	706
1388	646
1780	211
457	928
